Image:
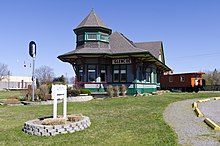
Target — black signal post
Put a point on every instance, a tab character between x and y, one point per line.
32	53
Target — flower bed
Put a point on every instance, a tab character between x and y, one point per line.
34	128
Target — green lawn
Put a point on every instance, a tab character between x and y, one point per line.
117	121
5	94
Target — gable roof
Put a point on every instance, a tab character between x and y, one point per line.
153	47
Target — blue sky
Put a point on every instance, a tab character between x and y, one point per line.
189	29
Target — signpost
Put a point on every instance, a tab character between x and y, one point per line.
59	92
32	53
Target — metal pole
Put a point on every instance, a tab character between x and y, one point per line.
8	79
33	79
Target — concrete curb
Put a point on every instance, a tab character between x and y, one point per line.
194	105
217	98
211	124
198	112
204	100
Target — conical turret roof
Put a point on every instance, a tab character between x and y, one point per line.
92	21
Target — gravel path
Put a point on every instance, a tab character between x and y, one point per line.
191	130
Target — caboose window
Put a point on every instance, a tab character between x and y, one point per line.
170	78
182	79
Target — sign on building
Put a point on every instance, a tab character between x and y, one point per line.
59	92
121	61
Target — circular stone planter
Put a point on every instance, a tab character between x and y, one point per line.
51	130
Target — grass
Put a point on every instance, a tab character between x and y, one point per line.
5	94
117	121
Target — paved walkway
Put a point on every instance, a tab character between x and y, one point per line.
191	130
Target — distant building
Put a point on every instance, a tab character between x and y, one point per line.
103	58
15	82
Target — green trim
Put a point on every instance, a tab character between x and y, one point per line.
98	36
96	89
140	90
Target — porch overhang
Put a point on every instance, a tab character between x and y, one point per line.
144	56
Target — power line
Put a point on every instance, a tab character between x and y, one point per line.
196	55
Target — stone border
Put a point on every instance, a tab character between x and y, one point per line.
52	130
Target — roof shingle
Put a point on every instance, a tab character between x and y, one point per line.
92	20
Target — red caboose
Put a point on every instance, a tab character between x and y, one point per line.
185	81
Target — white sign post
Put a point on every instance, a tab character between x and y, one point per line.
59	92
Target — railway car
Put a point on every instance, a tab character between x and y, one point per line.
184	81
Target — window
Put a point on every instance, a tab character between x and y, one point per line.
91	73
116	76
104	38
80	37
170	78
81	74
92	37
182	79
153	76
103	73
119	73
148	75
123	74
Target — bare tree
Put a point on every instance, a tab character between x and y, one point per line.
212	77
44	74
3	71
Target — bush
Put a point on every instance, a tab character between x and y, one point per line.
85	91
43	92
123	89
75	92
12	100
69	89
110	91
74	118
116	91
12	97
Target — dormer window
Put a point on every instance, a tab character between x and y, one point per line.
91	36
96	36
104	38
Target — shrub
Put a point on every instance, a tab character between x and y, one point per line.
85	91
75	92
12	97
110	91
43	92
51	121
116	91
22	98
74	118
27	94
12	100
69	89
123	89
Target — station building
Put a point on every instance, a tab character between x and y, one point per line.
102	58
